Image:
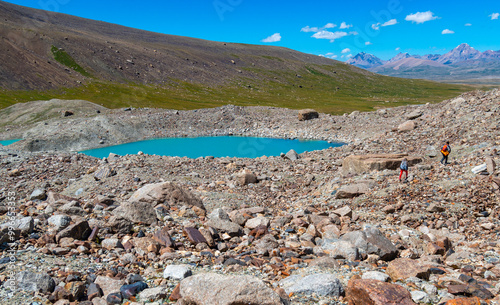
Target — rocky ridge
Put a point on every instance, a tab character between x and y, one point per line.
149	229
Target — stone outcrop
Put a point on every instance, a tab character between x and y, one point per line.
358	164
308	114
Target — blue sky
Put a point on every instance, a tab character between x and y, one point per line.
337	29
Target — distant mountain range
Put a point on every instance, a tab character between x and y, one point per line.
463	62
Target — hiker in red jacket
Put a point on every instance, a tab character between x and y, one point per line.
404	169
445	151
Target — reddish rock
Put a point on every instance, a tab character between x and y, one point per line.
259	231
403	268
163	238
374	292
194	235
465	301
176	293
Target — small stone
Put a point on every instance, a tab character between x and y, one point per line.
38	194
292	155
131	290
153	294
177	272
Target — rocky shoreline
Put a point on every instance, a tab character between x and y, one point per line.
331	227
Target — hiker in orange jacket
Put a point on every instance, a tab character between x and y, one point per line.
445	151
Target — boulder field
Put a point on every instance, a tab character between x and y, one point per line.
325	227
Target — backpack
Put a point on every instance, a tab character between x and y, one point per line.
404	165
445	150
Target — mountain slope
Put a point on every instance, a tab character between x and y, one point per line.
48	55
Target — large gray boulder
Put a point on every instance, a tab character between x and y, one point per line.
166	193
340	249
137	212
24	225
371	241
212	288
35	282
324	284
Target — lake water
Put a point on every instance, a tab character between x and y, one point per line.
8	142
227	146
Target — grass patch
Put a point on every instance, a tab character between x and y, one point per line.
64	58
329	89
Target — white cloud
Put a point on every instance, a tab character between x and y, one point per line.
377	26
309	29
330	35
390	22
495	16
349	56
347	50
421	17
468	24
368	43
329	26
317	29
398	48
344	25
446	31
273	38
329	55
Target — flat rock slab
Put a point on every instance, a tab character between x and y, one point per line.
216	289
403	268
358	164
373	292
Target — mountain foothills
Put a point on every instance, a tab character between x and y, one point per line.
48	55
463	62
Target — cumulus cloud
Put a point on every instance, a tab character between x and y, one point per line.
368	43
446	31
468	24
309	29
398	48
495	16
421	17
346	50
329	35
317	29
273	38
344	25
377	26
329	55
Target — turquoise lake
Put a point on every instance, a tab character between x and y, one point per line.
227	146
8	142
